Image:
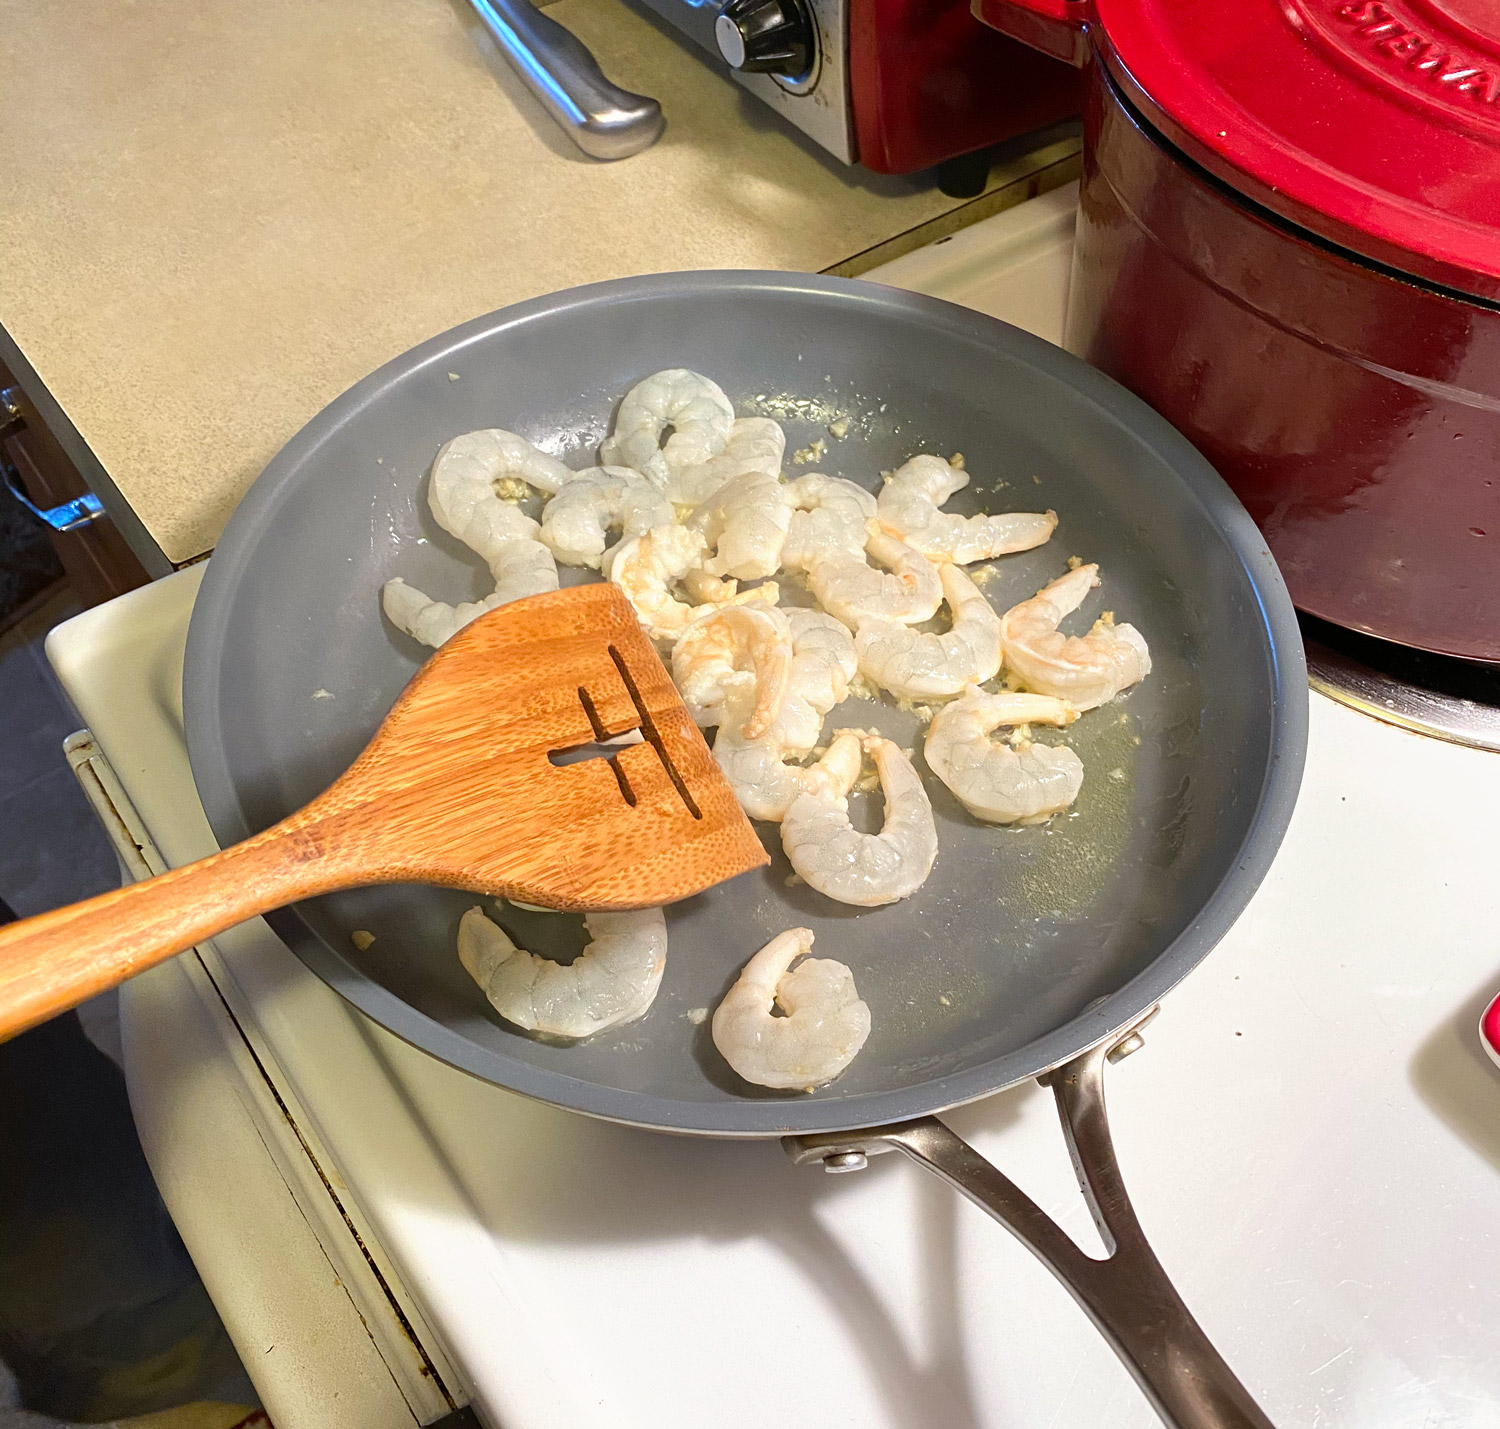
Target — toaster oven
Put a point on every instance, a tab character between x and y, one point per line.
893	85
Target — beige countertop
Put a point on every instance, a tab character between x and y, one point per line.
216	217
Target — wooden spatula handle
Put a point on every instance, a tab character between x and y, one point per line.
56	960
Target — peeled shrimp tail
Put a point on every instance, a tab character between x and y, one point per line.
1067	593
908	507
1085	670
431	622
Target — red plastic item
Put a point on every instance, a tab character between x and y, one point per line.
1373	123
1489	1031
928	82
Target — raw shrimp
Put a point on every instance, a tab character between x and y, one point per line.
745	523
755	444
826	1021
696	409
823	663
520	564
576	522
831	518
908	507
647	567
920	665
762	780
739	647
462	495
865	869
909	591
461	491
993	780
613	980
432	622
1085	670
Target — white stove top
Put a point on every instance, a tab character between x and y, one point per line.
1311	1134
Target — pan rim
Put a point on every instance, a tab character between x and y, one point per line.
757	1117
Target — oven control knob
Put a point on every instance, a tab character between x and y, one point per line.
766	37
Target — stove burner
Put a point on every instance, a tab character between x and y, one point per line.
1439	695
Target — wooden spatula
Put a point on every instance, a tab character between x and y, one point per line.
457	788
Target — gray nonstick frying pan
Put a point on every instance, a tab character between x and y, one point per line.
1028	953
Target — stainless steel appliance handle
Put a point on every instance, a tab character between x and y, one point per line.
1127	1295
606	122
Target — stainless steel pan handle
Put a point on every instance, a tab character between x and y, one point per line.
1127	1295
606	122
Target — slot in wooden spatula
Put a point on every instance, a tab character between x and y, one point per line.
457	787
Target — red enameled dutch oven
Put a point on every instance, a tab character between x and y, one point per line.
1289	245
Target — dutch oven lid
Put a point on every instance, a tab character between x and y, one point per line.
1374	123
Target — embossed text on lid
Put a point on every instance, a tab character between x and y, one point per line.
1373	123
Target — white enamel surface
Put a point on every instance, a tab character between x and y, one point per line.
1311	1136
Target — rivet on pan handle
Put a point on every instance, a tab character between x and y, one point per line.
1127	1295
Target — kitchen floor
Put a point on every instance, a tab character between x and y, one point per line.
102	1315
52	850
